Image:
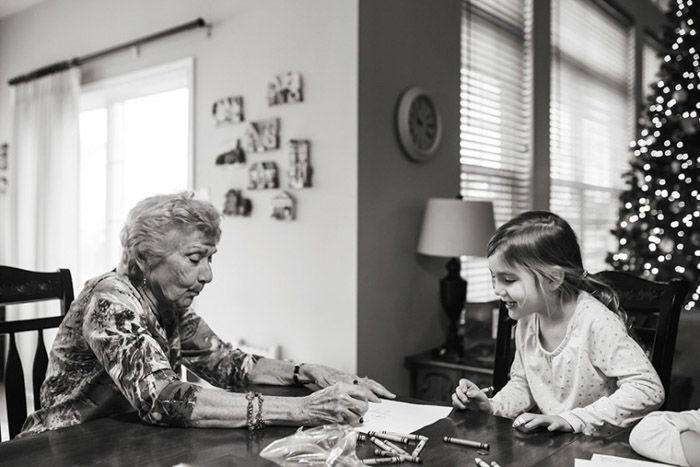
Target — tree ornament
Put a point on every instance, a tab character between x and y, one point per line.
667	244
689	125
695	239
681	95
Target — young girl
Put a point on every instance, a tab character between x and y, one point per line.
576	368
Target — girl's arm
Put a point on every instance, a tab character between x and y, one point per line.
515	397
639	391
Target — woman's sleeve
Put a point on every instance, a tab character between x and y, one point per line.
658	435
639	390
115	330
211	358
515	397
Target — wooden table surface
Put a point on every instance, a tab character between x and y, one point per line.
126	441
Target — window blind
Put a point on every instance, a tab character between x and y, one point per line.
591	121
495	120
651	63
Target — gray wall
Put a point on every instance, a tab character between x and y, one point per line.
402	43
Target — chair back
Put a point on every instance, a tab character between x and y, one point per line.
19	286
653	308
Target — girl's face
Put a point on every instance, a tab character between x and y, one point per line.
180	276
516	287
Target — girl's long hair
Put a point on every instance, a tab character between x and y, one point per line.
541	241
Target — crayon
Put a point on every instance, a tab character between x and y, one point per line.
421	444
466	442
391	437
415	460
382	445
480	463
381	460
410	436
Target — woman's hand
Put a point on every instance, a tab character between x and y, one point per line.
339	403
467	395
528	422
324	376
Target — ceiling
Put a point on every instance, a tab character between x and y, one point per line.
10	7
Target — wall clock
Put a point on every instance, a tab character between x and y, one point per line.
418	124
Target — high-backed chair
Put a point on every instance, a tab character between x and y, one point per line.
654	310
21	286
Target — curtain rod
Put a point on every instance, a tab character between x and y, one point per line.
66	64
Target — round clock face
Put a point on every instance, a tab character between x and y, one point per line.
419	125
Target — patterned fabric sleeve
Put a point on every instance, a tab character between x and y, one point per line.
211	358
115	329
515	397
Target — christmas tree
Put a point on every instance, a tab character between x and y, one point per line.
659	226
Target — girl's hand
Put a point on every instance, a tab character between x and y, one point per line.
325	376
339	403
467	395
528	422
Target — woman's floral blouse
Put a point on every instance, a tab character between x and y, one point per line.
114	353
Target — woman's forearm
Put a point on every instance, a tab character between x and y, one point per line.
216	408
278	372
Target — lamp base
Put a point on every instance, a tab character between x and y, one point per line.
453	294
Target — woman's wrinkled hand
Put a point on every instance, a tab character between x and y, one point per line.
467	395
528	422
324	376
338	403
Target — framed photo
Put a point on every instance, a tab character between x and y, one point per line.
228	110
285	88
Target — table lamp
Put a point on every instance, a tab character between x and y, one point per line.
453	228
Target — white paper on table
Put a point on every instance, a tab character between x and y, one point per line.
583	463
400	417
605	459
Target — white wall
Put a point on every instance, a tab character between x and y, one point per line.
287	283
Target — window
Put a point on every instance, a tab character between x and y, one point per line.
495	121
591	121
135	141
651	64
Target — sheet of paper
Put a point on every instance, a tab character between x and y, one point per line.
604	459
401	417
582	463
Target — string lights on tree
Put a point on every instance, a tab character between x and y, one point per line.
658	230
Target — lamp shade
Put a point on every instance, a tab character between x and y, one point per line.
454	227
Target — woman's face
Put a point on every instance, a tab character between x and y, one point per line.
516	287
181	275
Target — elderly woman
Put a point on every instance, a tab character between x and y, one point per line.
121	344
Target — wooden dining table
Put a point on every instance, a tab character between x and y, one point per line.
124	440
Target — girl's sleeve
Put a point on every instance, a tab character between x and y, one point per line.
212	359
658	435
515	397
115	329
615	354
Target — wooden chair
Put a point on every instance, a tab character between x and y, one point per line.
21	286
654	310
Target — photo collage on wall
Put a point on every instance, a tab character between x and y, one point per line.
259	137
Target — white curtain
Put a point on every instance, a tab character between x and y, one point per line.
43	204
44	155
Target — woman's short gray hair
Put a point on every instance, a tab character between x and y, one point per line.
148	223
